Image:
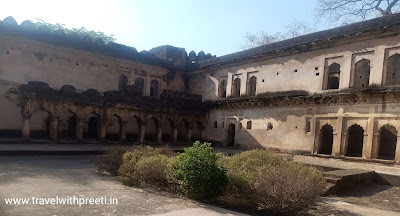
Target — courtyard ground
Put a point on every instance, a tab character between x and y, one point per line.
51	176
62	176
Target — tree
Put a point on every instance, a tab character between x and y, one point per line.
294	29
348	11
82	32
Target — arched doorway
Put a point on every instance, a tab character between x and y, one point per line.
387	142
362	72
182	131
151	130
231	135
222	89
40	125
393	70
93	127
326	143
167	130
67	125
123	82
236	88
333	76
197	131
113	129
355	141
133	129
139	82
252	86
154	88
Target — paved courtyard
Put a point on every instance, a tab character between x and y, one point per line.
63	176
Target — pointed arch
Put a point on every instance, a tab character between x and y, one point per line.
393	70
252	86
154	88
139	82
355	141
236	87
387	142
333	76
326	140
123	82
222	89
362	73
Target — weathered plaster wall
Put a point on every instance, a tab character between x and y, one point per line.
24	60
303	71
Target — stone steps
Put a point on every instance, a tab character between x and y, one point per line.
344	180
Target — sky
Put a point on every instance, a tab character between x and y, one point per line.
213	26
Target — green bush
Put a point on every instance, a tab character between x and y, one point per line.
197	172
111	160
146	165
260	179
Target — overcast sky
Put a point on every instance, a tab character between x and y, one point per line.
214	26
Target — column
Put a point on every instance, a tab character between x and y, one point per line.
189	135
79	130
103	125
147	86
174	135
25	128
397	154
367	148
142	133
159	134
123	131
53	129
337	137
229	85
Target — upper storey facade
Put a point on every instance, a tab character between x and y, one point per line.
359	55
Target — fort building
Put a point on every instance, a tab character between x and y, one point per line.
334	92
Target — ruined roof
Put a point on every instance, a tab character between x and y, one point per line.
305	40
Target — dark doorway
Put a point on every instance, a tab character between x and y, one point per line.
333	76
252	86
222	89
154	86
326	144
71	130
93	128
231	135
387	142
356	141
123	82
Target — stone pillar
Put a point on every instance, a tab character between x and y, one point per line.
159	134
25	128
337	137
103	127
147	86
142	133
174	135
53	129
397	154
367	148
189	135
343	150
229	85
79	130
201	133
123	131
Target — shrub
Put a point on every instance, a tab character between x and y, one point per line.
111	160
197	172
260	179
146	165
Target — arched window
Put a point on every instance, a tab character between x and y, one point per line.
361	73
252	86
215	124
123	82
355	141
393	70
236	88
222	89
154	88
139	82
333	76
